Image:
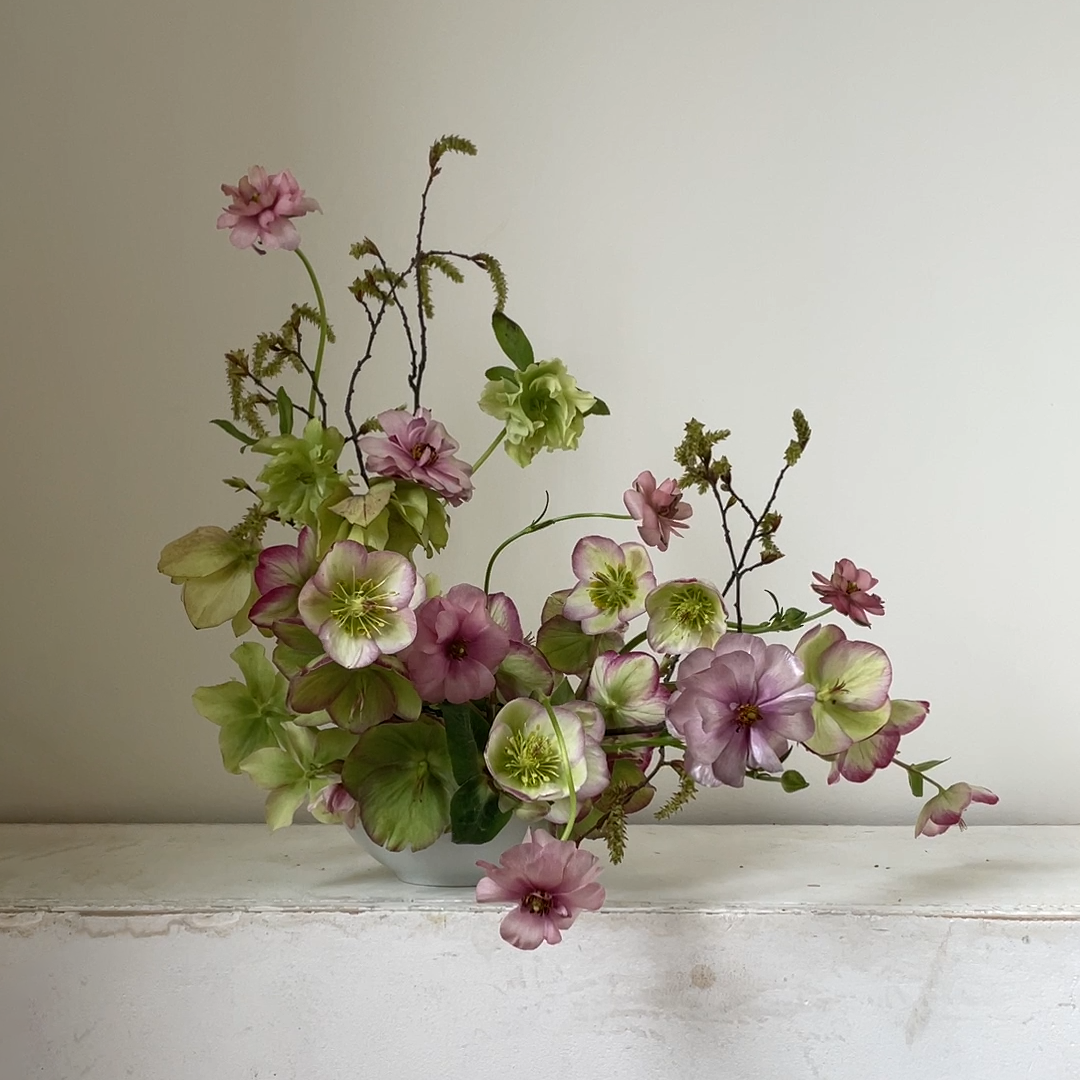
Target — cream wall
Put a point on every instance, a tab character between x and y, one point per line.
869	210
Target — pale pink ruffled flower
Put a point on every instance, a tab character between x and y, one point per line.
549	881
457	648
659	509
848	592
261	210
947	808
418	448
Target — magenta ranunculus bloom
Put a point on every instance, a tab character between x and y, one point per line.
418	448
549	881
947	808
659	509
848	592
281	573
262	205
737	705
458	646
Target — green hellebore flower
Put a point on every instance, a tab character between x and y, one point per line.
396	515
301	472
297	769
249	713
542	408
215	570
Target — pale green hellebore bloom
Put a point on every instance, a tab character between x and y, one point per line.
216	572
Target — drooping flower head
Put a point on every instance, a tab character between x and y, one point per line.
549	882
333	803
851	680
418	448
684	615
626	688
613	581
737	706
525	756
659	509
359	603
281	572
947	808
848	592
215	570
261	208
862	759
542	408
457	648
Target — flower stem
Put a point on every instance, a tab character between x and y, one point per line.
571	821
912	771
317	371
536	526
769	627
489	451
634	641
641	744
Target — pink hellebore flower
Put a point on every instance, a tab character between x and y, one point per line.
737	705
613	581
549	881
335	803
947	807
261	208
660	510
279	576
359	603
458	646
418	448
862	759
848	592
626	688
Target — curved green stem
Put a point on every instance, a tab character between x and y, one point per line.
641	744
489	451
634	642
322	329
571	821
769	627
536	526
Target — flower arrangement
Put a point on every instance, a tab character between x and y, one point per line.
414	713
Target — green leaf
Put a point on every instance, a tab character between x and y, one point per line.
512	340
475	817
500	372
926	766
466	737
400	774
285	411
915	782
283	802
790	781
235	432
599	408
272	768
564	692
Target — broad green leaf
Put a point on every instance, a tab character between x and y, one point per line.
495	373
203	551
400	774
512	340
915	782
564	692
236	433
216	598
331	745
567	648
599	408
792	781
466	737
475	817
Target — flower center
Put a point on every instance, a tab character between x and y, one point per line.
531	759
457	650
612	588
746	715
424	453
851	587
360	608
538	903
693	608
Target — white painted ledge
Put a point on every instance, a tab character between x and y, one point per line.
832	953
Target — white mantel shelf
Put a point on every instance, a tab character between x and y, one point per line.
178	952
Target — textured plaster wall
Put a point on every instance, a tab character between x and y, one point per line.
727	209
